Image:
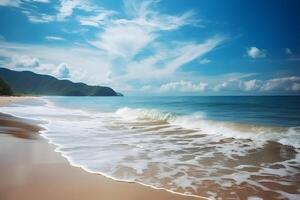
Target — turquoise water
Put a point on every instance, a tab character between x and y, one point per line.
265	110
205	146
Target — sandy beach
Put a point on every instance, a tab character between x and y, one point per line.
5	100
30	169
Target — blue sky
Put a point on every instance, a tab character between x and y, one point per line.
167	47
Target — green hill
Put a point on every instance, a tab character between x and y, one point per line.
27	82
5	89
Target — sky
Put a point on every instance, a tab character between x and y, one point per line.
152	47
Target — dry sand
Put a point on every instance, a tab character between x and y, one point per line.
4	100
30	169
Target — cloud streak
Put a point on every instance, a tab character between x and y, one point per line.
168	60
55	38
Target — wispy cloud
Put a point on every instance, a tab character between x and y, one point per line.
36	17
204	61
10	3
168	60
33	15
63	11
146	14
54	38
100	18
288	51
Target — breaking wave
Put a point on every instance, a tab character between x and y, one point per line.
198	122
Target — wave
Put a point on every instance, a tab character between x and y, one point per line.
198	121
144	114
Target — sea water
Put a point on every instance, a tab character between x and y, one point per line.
208	146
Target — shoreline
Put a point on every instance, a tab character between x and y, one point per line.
30	166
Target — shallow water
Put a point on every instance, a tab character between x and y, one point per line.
230	147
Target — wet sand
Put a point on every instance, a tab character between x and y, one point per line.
30	169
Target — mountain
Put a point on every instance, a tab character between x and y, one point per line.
27	82
5	89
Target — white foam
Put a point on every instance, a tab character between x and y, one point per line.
143	114
254	198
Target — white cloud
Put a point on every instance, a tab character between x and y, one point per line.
282	84
24	61
204	61
296	87
255	52
123	40
183	86
235	82
54	38
220	86
36	17
62	71
290	83
251	85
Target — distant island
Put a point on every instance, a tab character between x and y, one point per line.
29	83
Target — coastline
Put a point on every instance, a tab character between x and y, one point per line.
31	169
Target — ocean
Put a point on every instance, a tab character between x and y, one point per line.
232	147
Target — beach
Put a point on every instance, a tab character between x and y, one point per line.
127	148
30	169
